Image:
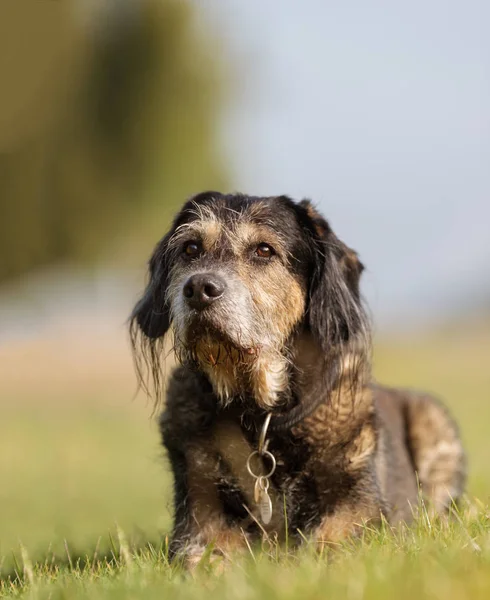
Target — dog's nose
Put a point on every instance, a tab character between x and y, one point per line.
203	289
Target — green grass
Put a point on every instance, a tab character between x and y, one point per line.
84	494
428	560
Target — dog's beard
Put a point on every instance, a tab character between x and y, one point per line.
215	352
223	363
235	371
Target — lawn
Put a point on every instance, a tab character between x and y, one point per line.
84	494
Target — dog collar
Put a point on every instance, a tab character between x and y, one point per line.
281	422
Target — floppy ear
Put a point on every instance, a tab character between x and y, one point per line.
351	268
335	311
151	313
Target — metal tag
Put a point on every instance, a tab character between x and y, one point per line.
257	490
265	506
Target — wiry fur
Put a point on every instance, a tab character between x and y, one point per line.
289	336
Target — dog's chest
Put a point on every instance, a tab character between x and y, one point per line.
291	487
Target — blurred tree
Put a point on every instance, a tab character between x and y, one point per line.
107	125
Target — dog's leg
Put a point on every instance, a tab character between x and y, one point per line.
200	520
436	449
345	521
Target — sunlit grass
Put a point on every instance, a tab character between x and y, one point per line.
431	559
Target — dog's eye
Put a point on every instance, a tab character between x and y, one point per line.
191	249
264	251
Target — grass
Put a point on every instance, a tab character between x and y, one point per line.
428	560
84	495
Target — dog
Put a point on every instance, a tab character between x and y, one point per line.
273	422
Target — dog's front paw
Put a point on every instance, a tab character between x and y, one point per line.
215	555
204	559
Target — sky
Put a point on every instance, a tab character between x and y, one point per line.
380	113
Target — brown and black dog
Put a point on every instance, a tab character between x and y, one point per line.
263	302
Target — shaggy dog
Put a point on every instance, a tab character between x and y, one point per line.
272	419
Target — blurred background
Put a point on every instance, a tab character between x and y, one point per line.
113	112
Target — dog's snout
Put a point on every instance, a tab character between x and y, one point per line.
203	289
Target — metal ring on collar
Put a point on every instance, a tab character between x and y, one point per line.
265	453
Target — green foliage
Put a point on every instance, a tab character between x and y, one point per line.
131	132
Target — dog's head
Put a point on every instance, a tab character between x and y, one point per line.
239	278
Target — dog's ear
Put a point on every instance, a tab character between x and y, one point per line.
351	268
335	313
151	313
